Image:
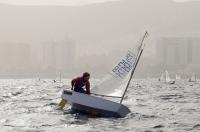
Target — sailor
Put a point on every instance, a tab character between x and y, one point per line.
80	82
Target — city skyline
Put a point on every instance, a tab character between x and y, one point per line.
50	58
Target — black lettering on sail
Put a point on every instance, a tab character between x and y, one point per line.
124	66
129	58
118	71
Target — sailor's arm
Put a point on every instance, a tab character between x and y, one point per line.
73	82
87	87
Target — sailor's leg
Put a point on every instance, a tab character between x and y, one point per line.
77	89
62	103
80	90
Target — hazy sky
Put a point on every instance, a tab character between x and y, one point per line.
184	0
63	2
53	2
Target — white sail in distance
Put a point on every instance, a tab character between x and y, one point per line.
168	79
162	77
178	77
193	78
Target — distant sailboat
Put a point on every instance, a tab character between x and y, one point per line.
168	79
178	77
162	78
165	77
38	77
193	78
58	79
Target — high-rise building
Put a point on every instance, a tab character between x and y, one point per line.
178	51
15	57
65	55
58	56
48	56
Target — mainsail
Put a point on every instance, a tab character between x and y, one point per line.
118	79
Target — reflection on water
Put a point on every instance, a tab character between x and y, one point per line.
30	105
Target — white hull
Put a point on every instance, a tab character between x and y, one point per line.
91	104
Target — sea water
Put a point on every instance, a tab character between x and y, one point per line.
29	105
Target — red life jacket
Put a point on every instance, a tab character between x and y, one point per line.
79	83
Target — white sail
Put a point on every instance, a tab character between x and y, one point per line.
162	77
115	82
178	77
168	79
193	78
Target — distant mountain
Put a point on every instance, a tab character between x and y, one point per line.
109	24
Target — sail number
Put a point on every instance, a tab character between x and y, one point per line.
125	65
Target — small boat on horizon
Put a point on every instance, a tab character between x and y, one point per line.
178	77
193	78
165	77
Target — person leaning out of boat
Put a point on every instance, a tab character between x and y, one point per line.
80	82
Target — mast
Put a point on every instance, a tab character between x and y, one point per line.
135	65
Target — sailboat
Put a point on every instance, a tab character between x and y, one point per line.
178	77
38	77
161	77
168	79
193	78
58	79
107	97
165	77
